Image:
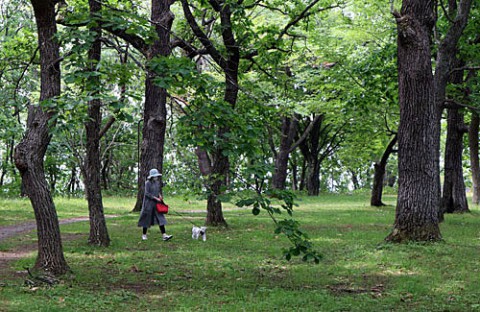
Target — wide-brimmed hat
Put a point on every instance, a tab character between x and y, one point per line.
154	173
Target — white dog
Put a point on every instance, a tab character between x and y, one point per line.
197	231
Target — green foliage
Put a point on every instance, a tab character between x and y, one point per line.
19	80
178	74
288	227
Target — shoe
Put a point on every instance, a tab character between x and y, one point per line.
144	237
167	237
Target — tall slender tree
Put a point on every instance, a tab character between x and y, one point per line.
30	152
98	227
154	120
217	161
454	195
155	111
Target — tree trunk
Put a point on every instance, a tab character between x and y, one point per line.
30	152
445	62
416	216
294	165
355	180
289	130
155	111
228	61
474	159
454	197
104	171
379	174
289	133
220	168
220	162
316	147
313	177
98	227
310	150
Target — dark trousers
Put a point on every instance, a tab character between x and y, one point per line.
162	229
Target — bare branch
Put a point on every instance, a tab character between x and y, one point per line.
305	13
465	68
112	44
450	103
305	133
214	53
23	74
393	11
187	47
445	11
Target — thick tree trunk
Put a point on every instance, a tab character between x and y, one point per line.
155	111
30	152
98	227
416	216
474	159
454	197
288	132
379	174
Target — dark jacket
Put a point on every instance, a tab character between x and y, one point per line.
149	215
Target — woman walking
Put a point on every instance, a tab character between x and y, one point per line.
149	215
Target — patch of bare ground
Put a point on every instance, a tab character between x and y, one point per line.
23	250
373	285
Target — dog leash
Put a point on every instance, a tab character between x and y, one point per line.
181	216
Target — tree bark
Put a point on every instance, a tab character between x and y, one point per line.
155	111
379	174
474	159
288	144
310	149
416	216
454	199
454	195
98	228
229	63
446	60
288	132
421	102
319	143
30	152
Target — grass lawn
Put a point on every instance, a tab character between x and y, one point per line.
241	268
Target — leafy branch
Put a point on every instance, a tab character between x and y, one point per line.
289	227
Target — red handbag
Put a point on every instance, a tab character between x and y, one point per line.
162	208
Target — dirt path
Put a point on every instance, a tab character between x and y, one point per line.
12	230
22	251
